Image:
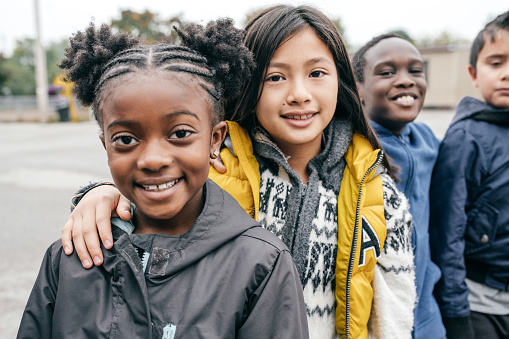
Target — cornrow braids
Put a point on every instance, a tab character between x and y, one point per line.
215	56
359	62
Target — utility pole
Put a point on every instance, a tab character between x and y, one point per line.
41	77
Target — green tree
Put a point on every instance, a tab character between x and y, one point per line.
402	32
5	72
21	66
54	54
444	38
138	24
22	69
148	26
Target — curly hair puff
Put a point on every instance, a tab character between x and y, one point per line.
88	53
222	44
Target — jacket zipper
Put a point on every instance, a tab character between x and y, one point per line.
354	245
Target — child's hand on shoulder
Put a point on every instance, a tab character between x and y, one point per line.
90	221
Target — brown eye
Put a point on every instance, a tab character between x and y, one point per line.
316	74
124	140
180	134
275	78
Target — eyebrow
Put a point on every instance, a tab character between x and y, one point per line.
168	116
496	56
310	62
178	113
390	62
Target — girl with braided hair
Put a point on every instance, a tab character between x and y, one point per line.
191	263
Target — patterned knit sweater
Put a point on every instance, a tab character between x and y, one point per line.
304	217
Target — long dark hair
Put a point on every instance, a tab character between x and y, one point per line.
266	32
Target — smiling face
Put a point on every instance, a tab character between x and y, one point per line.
158	137
394	83
491	75
299	94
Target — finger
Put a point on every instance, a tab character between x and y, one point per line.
67	235
124	208
103	220
91	236
218	165
79	242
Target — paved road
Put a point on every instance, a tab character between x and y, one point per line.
41	165
40	168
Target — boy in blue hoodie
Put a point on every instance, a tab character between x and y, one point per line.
470	198
392	84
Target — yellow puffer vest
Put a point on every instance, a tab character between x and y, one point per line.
360	195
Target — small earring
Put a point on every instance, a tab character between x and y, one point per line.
216	153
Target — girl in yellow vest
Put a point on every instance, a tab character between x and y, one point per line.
302	159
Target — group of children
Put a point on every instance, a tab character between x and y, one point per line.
325	156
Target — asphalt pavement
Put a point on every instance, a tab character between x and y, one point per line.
41	166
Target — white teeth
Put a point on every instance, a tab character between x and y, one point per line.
299	117
160	187
407	99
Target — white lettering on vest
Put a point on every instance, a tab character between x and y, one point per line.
369	242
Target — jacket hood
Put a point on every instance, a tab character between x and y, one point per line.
221	220
470	107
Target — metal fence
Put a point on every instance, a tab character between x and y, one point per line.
18	103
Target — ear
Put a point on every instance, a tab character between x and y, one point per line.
102	140
217	137
473	75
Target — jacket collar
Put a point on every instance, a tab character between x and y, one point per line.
221	220
471	108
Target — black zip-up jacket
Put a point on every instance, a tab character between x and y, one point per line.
225	278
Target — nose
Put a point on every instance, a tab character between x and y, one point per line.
299	92
505	72
155	156
404	79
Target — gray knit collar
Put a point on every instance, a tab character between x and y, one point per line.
337	136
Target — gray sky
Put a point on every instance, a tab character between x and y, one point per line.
362	19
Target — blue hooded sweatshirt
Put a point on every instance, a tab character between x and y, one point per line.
415	151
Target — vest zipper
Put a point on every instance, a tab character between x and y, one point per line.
354	243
